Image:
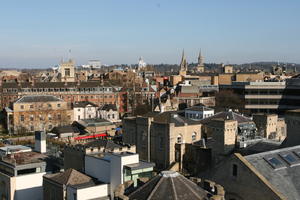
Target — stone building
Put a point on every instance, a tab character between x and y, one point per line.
245	131
270	126
155	136
268	175
71	92
37	113
292	118
67	71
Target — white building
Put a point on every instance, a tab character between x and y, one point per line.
116	168
21	174
84	110
109	112
198	112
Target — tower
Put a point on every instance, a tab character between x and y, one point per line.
200	66
183	65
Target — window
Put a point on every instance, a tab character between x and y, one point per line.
234	170
22	106
31	118
108	116
49	106
90	116
78	109
78	117
49	117
179	139
113	116
22	118
31	106
50	126
194	136
67	72
31	128
59	116
58	105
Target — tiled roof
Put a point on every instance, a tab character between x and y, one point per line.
228	115
70	177
173	117
169	185
108	107
83	104
38	98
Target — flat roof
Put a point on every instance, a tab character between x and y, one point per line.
15	148
23	158
140	165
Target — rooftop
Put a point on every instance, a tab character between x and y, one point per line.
228	115
71	177
281	168
94	122
169	185
15	148
140	165
83	104
173	117
199	108
38	98
108	107
23	158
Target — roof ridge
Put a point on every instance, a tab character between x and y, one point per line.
155	188
182	180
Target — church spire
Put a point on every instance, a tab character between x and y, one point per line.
183	64
200	59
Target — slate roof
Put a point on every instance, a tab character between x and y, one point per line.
286	178
173	117
107	144
71	177
38	98
227	115
199	108
108	107
83	104
169	185
65	129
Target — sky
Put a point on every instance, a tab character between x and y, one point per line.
35	33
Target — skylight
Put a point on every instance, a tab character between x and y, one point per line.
275	162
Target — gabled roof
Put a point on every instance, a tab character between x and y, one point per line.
65	129
70	177
280	170
173	117
169	185
227	115
38	98
83	104
108	107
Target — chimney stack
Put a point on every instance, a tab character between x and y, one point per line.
40	142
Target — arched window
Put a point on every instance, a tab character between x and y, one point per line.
194	136
179	139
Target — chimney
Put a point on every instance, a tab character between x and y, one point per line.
40	142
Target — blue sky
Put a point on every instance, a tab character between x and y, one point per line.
37	33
